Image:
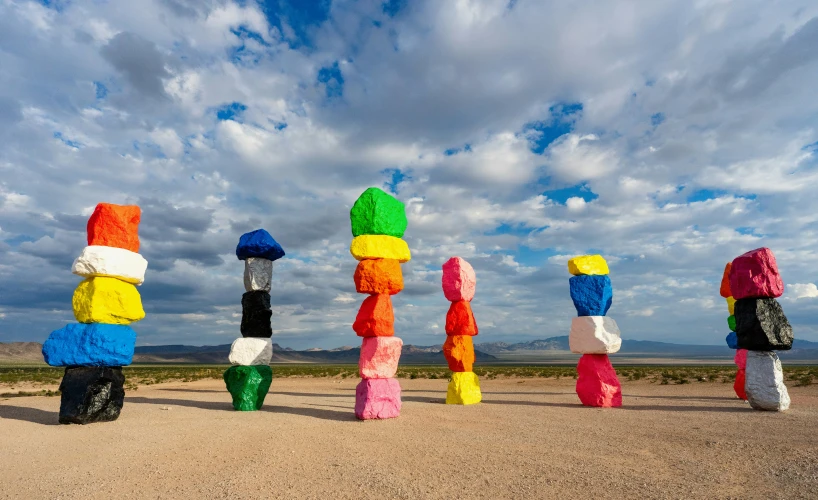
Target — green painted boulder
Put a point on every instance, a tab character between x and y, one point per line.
248	385
731	322
377	212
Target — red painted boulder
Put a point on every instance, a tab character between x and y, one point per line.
460	319
377	398
115	226
740	359
738	385
379	357
459	280
755	275
375	317
597	383
724	289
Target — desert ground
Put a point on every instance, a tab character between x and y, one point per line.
529	439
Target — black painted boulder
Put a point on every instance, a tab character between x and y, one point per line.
256	314
91	394
762	326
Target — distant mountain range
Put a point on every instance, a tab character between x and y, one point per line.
537	350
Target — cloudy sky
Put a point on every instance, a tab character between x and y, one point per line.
668	136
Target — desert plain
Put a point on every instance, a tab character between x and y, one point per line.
530	438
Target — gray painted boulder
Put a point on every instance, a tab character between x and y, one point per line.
764	383
258	272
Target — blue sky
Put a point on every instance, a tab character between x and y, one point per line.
669	138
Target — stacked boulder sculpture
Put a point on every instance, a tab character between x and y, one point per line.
760	327
105	303
378	222
459	281
250	377
593	334
732	341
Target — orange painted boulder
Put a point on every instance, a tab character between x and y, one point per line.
738	385
459	353
378	276
724	290
115	226
597	383
460	319
375	317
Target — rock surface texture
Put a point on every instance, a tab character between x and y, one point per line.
248	385
107	300
256	314
594	335
91	394
95	344
250	351
378	221
115	226
258	243
755	274
110	262
460	319
588	264
762	326
592	294
459	280
464	389
765	382
597	383
724	289
258	274
459	352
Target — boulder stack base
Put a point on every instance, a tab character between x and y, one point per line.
250	377
105	303
459	281
378	221
593	334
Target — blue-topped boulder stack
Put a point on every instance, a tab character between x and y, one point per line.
94	350
250	377
593	334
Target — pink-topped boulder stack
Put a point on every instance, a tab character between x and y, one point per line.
377	398
755	275
379	357
459	280
597	383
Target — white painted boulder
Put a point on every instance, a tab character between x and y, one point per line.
258	273
249	351
764	382
594	335
112	262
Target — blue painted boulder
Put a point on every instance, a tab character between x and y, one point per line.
732	340
258	243
90	344
592	294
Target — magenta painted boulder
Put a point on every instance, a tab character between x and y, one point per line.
459	280
755	275
377	398
740	359
379	357
597	383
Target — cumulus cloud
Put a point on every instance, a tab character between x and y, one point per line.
669	138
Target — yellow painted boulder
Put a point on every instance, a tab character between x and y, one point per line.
107	300
731	305
379	246
464	389
587	264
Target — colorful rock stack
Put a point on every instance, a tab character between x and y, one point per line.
593	334
378	223
105	303
459	281
249	379
732	341
761	327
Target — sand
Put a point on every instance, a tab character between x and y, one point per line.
529	439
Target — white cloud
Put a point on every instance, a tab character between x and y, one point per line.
802	290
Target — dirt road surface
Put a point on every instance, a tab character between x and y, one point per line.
528	439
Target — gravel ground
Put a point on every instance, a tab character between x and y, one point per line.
528	439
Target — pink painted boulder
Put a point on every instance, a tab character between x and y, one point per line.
597	383
755	275
379	357
377	398
459	280
740	359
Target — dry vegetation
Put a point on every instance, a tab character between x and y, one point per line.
13	376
